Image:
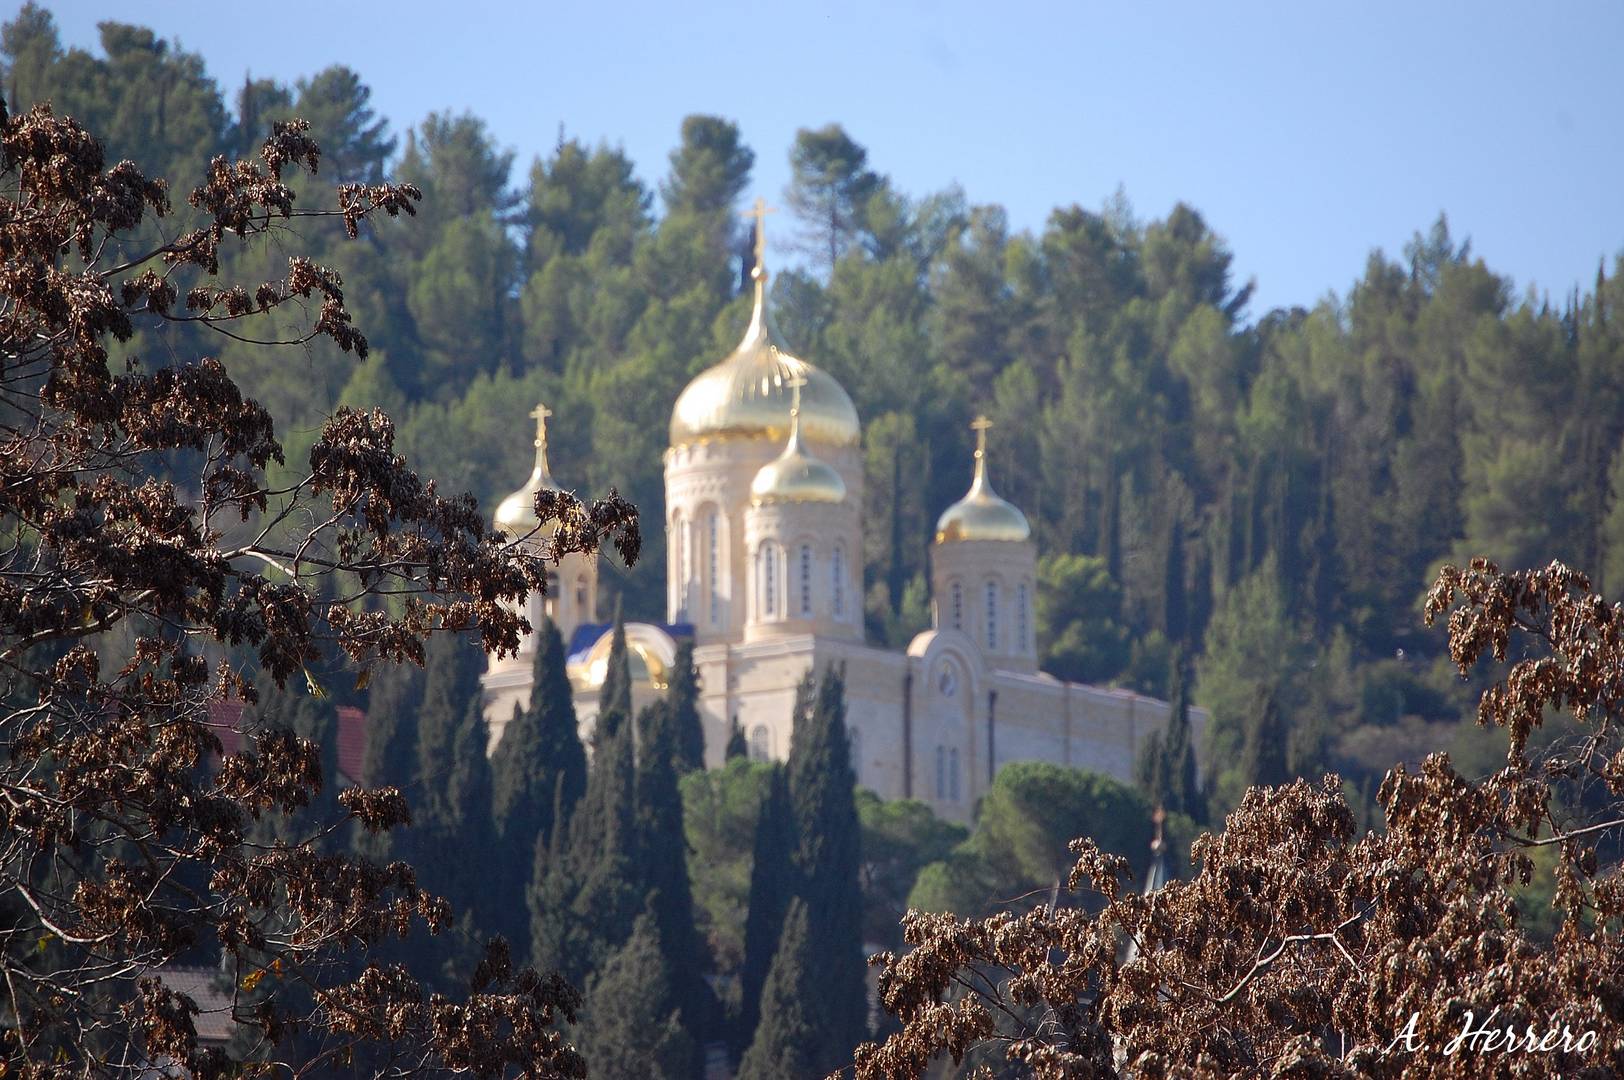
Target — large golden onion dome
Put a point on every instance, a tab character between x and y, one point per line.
795	475
516	514
747	394
981	514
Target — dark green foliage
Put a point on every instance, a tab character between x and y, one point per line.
538	771
737	745
774	882
790	1041
632	1019
615	696
688	731
1263	754
828	861
1019	847
900	838
663	861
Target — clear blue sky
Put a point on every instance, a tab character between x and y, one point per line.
1307	134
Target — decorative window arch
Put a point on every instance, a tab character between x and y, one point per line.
958	605
953	774
941	772
761	748
767	571
1023	638
714	565
992	616
837	591
806	580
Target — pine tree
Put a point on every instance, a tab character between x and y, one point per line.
538	770
632	1018
789	1041
663	862
689	747
828	859
772	887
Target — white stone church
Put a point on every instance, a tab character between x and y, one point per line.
763	503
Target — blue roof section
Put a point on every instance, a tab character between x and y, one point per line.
587	634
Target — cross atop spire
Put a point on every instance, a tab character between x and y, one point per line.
760	211
980	425
541	413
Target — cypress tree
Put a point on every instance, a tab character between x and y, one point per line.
1263	755
471	834
663	859
538	770
591	889
615	696
789	1041
737	745
1179	747
390	758
689	753
1150	770
828	858
772	887
631	1023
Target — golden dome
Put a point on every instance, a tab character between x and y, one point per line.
516	514
795	475
981	514
747	394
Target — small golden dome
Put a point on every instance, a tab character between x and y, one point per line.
981	514
516	514
747	394
795	475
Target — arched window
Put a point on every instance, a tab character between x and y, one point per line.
1022	641
760	743
806	580
581	609
685	566
768	560
715	558
837	592
953	774
551	604
941	772
958	606
992	615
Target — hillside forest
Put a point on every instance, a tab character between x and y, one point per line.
1234	507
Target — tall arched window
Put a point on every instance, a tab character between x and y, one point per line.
686	566
992	615
760	743
806	580
837	591
581	609
941	772
958	606
769	580
1022	640
953	774
715	567
679	568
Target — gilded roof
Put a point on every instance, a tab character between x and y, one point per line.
516	514
981	514
747	394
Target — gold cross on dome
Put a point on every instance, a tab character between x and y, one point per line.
760	211
980	425
541	413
